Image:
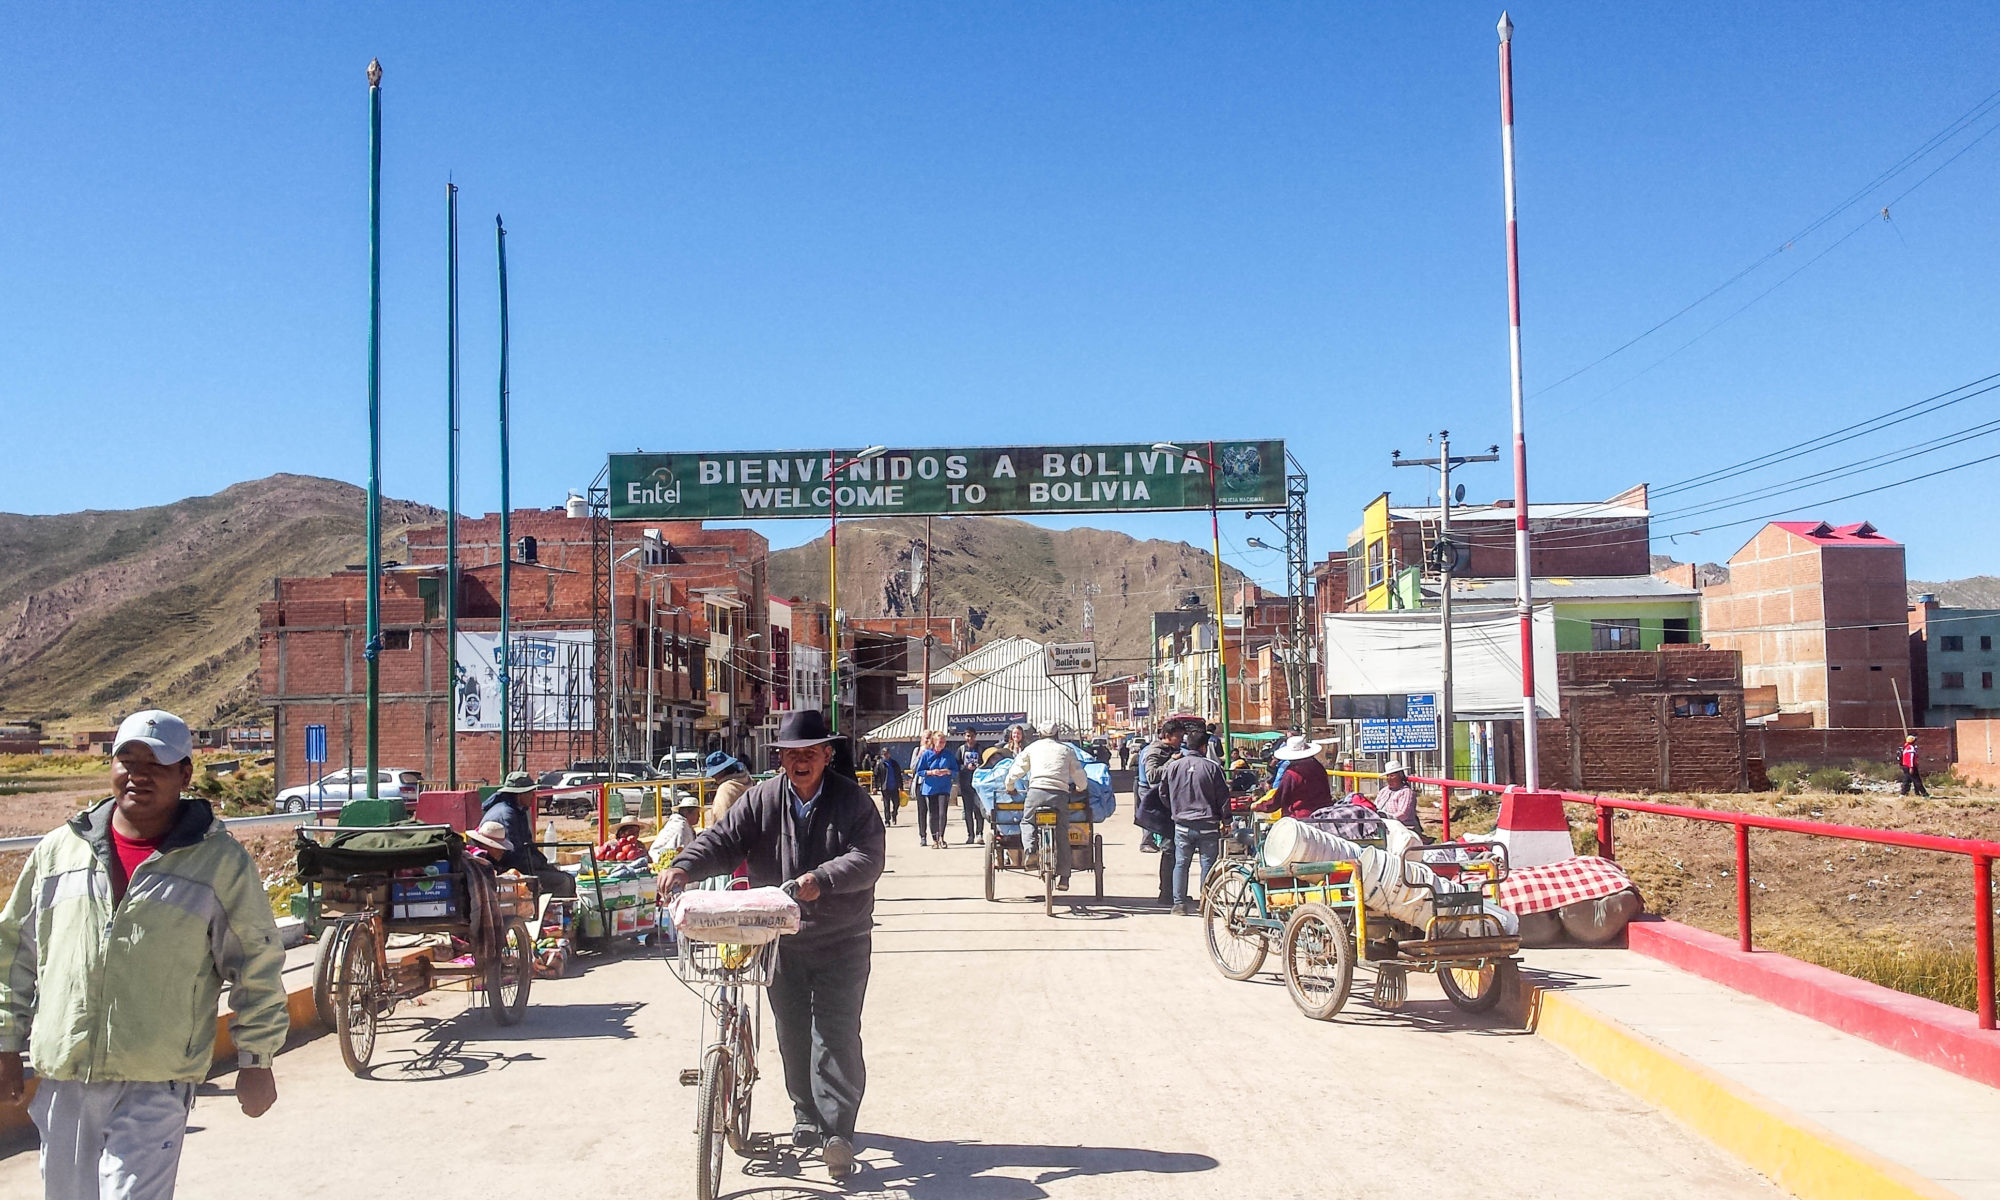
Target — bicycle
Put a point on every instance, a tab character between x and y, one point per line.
728	1070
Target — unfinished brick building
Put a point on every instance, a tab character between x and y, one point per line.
1665	720
685	613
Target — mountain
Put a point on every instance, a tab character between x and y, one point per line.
1007	577
105	612
1980	591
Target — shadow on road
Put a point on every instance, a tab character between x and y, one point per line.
448	1047
903	1167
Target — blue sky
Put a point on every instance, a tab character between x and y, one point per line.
751	226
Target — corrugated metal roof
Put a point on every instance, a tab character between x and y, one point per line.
1557	588
1591	511
1015	685
1819	533
983	659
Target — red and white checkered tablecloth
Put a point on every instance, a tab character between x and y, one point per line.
1539	889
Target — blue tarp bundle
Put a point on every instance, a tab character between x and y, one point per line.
989	782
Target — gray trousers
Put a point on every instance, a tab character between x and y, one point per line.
816	996
1059	801
110	1141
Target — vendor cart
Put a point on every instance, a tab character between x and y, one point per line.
1003	850
1314	915
369	883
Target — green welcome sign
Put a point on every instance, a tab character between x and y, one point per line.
1012	480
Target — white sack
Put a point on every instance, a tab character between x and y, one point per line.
745	918
1381	871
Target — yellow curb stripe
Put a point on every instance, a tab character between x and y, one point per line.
1806	1160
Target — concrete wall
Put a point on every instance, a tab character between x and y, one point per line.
1979	751
1573	633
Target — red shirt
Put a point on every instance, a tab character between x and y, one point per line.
126	855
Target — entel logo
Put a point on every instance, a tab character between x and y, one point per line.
639	493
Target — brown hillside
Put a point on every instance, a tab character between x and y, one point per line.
1009	577
105	612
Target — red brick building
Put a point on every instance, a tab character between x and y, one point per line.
1821	613
691	630
1664	720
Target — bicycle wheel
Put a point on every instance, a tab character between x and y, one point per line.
357	998
1474	988
1319	961
510	973
711	1122
992	856
326	963
1235	946
745	1080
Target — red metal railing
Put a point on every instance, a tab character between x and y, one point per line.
1982	854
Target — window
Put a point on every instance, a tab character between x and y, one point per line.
395	639
1377	564
1986	680
1951	681
1355	557
1619	634
1951	643
1697	706
1674	631
1985	641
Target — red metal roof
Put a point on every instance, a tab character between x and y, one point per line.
1861	533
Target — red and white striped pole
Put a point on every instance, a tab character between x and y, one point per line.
1523	582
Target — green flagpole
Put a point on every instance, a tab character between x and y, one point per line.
451	487
506	530
373	649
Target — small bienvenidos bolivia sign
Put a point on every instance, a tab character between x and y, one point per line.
970	480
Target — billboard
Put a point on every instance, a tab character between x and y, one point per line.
949	481
550	683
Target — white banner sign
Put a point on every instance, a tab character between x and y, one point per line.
1070	658
550	682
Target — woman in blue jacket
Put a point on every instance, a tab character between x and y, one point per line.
936	770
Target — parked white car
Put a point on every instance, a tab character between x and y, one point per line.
330	791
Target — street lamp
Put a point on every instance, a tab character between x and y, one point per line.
833	565
1215	532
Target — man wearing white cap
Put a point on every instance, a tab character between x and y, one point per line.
116	914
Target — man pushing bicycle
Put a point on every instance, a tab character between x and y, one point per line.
814	827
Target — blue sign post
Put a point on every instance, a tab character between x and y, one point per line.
316	745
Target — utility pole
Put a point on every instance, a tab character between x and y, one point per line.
506	527
451	486
1445	554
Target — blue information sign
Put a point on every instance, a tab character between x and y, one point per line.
316	744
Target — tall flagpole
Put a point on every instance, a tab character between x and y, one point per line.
506	530
1523	564
451	487
372	649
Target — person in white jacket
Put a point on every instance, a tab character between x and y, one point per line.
1052	773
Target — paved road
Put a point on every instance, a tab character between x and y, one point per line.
1012	1056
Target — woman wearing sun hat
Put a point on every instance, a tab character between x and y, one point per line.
1303	789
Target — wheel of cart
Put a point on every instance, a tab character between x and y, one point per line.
404	879
1463	944
1004	852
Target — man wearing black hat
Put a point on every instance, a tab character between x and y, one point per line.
818	828
512	804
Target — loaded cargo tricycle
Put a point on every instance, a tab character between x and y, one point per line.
1004	850
365	884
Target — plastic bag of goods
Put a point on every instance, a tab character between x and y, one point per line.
1383	888
750	917
990	784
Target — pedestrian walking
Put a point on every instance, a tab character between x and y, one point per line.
936	769
968	796
1125	753
123	928
1048	772
889	782
1913	777
1197	794
1164	749
816	828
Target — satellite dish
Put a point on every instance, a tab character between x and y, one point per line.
1458	494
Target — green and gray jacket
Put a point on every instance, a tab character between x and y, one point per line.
94	992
